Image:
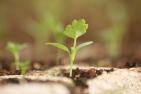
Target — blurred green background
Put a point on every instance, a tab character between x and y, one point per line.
114	26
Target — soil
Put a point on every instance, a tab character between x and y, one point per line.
79	75
7	68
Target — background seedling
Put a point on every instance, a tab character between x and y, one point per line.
56	28
74	30
15	49
114	35
49	27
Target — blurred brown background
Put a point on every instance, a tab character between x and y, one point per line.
114	26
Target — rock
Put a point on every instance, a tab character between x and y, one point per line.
120	81
34	88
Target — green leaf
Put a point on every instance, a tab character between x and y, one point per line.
24	66
84	44
53	24
76	29
60	46
15	48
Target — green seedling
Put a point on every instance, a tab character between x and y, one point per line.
74	31
56	28
113	38
15	49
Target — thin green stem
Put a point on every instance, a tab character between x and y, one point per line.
72	56
17	61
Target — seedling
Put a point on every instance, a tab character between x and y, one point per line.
113	37
55	26
74	31
15	49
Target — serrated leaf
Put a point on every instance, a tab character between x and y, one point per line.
83	45
76	29
60	46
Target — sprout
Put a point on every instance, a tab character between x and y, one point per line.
15	49
75	30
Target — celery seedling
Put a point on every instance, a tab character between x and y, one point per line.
56	27
15	49
75	30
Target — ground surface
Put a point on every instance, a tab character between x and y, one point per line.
85	80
